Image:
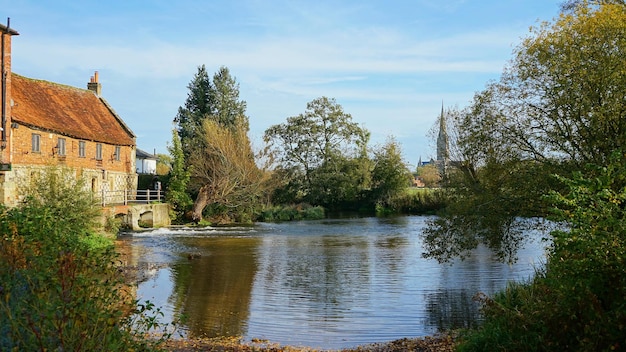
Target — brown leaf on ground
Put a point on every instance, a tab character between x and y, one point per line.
437	343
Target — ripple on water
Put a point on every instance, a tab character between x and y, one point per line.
327	284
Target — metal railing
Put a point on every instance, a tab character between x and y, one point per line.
134	196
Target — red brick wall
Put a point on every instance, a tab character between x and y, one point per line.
22	154
4	152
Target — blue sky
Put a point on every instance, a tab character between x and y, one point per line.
390	64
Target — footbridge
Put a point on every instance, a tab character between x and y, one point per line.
137	209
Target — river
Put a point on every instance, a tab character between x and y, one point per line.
325	284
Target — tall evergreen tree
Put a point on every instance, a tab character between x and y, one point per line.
177	195
228	109
198	106
215	104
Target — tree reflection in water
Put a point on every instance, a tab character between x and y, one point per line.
327	284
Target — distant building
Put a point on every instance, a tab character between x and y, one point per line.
45	124
146	162
443	147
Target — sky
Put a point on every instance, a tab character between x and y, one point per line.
390	64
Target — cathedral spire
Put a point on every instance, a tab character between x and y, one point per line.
442	139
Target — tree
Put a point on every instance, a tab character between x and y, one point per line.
164	164
176	194
558	106
216	101
198	106
316	148
390	174
576	302
571	5
226	170
228	109
429	174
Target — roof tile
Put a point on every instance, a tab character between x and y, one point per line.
67	110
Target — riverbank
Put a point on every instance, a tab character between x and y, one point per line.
437	343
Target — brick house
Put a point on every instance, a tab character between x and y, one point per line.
47	124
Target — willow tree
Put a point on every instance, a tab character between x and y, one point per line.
226	171
213	109
558	106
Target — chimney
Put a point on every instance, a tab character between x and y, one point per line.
5	84
94	85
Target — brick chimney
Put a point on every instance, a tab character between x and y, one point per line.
94	85
6	32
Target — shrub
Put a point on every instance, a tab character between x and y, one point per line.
415	201
579	302
60	289
292	212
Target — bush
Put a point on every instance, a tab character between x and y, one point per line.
415	201
579	302
292	212
60	289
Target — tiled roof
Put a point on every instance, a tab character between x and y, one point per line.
144	155
74	112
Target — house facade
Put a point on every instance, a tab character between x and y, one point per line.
45	124
146	163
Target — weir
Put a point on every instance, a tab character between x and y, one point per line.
138	216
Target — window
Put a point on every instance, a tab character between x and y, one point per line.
116	156
81	149
61	146
99	151
35	141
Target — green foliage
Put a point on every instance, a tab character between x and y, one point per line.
229	178
210	107
229	111
323	160
199	105
416	201
578	303
323	153
292	212
176	194
338	184
390	175
429	174
60	289
54	191
558	106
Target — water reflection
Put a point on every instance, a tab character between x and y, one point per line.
326	284
213	284
452	309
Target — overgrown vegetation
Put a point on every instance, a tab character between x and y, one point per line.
60	289
414	201
291	212
577	303
558	106
549	139
320	157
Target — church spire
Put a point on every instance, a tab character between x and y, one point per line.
442	139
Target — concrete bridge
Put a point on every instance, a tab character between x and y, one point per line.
138	216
